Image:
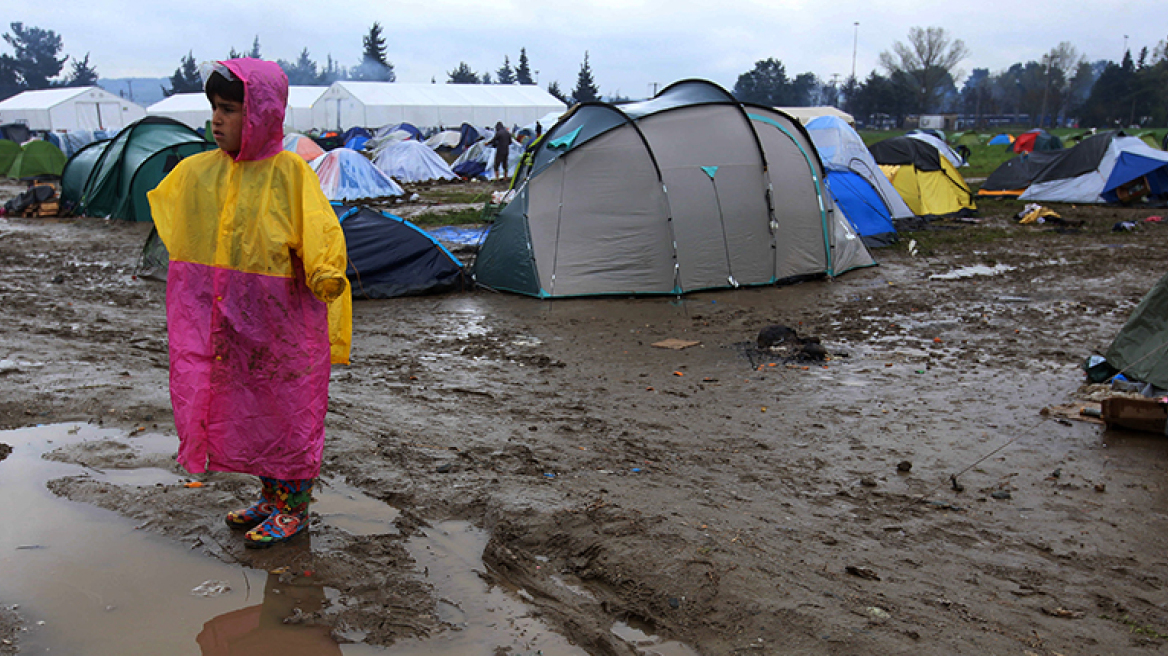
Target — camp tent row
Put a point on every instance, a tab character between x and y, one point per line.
71	108
1095	170
371	104
686	191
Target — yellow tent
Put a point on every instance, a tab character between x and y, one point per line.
931	193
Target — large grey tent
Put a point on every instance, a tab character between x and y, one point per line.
689	190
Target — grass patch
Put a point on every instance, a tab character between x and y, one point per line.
455	195
465	216
1136	627
929	242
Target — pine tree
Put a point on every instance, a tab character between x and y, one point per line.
302	72
82	75
505	75
486	78
374	65
586	89
234	54
554	90
255	48
523	71
35	56
462	74
186	78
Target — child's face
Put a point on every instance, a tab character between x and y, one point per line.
227	123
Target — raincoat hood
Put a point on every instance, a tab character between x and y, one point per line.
265	99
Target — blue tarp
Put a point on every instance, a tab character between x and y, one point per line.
458	235
1129	166
863	207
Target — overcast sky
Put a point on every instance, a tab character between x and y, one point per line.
633	45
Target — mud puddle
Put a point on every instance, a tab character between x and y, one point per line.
88	581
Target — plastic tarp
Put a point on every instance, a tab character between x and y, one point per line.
1140	349
390	257
445	139
346	174
468	163
302	146
412	161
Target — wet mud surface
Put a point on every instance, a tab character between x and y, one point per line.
731	499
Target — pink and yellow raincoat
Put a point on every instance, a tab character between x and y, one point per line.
257	303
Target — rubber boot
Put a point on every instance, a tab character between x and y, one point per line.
258	511
291	517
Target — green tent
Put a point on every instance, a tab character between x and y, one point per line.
1140	350
111	178
9	150
37	158
967	139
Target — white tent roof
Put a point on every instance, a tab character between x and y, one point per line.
303	97
372	104
43	99
190	109
805	114
72	108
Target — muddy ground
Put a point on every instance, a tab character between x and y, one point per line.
730	504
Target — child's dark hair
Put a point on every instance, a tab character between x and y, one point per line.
217	85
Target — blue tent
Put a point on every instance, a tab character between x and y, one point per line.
1152	166
1001	140
863	207
860	188
390	257
355	138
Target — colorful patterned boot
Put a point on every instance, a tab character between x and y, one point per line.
290	518
258	511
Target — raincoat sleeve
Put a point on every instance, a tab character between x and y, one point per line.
325	257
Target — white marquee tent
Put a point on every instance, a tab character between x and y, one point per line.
190	109
298	116
349	104
194	110
72	108
806	114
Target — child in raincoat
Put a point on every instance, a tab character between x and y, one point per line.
257	302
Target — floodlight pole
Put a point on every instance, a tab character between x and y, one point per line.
855	43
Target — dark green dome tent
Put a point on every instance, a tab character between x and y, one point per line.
689	190
111	178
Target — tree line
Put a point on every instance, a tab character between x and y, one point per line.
916	76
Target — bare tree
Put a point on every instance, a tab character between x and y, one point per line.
1061	64
926	62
